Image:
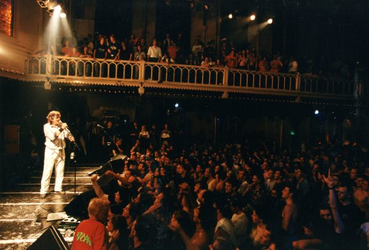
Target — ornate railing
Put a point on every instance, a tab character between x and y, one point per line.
163	75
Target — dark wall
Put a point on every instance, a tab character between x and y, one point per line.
114	17
229	120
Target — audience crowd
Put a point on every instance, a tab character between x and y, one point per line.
176	50
231	197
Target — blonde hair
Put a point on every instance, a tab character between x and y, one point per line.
98	207
52	114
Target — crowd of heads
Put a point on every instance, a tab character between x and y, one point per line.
233	196
178	50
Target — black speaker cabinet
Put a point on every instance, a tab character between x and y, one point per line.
50	239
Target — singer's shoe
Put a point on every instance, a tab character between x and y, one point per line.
43	196
59	192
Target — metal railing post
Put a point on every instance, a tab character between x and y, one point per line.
298	81
225	76
49	65
141	74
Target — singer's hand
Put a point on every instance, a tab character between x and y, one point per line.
71	138
64	126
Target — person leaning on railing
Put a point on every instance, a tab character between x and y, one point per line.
88	65
139	55
154	54
100	52
166	61
72	65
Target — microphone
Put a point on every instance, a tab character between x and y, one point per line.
98	125
66	129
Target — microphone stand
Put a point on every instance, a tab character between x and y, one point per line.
73	159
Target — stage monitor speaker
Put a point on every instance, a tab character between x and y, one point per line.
115	164
50	239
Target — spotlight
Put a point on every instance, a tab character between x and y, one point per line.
316	112
50	11
176	105
42	3
230	16
63	15
252	17
270	21
51	5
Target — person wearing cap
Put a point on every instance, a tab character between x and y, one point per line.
55	133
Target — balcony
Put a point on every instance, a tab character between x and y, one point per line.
221	82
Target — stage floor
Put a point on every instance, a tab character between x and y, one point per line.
23	214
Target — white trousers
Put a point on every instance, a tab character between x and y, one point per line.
53	158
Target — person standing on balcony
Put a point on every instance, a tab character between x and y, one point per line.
66	50
90	44
196	52
154	54
72	64
142	43
166	43
252	60
275	65
205	62
138	56
55	133
172	50
113	48
133	42
163	70
242	60
85	54
100	52
113	52
264	65
231	59
292	66
126	52
218	64
190	60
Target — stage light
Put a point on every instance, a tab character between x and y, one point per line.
270	21
176	105
230	16
42	3
316	112
252	17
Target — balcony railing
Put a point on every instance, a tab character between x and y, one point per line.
163	75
